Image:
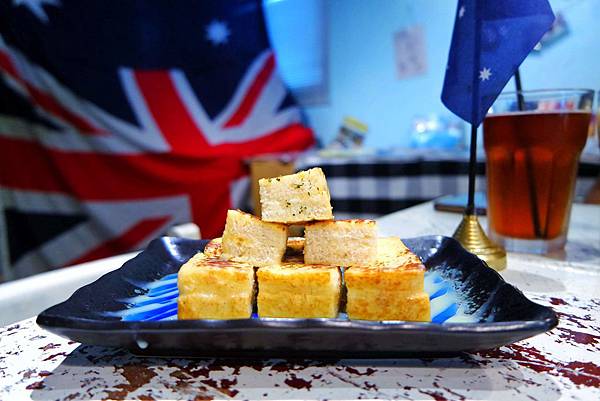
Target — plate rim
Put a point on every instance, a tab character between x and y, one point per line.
50	322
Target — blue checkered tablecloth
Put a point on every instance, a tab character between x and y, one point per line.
369	186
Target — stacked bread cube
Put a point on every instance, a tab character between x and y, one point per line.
210	288
302	277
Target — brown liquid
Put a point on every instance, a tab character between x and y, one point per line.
532	163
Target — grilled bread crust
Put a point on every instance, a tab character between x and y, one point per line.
214	248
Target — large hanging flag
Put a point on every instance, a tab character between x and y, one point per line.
119	119
491	39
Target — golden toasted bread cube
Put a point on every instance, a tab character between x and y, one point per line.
385	305
341	242
392	288
211	288
295	290
295	198
248	239
391	252
214	248
294	251
366	281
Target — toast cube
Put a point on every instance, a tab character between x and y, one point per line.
294	251
341	242
211	288
391	252
294	290
248	239
392	288
295	198
390	306
214	248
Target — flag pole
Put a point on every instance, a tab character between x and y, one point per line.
470	209
469	232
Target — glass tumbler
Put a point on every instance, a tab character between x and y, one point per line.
532	141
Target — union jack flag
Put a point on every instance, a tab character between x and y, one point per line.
119	119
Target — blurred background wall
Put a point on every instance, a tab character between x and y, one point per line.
361	73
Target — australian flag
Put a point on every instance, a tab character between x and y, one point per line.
119	119
491	39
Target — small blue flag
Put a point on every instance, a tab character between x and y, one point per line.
491	39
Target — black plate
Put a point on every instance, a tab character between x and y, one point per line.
134	307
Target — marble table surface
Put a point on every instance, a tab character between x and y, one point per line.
563	364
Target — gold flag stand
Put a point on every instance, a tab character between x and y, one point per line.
472	237
469	232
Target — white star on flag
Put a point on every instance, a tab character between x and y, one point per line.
461	12
485	74
37	7
217	32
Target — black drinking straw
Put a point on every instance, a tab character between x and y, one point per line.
520	98
528	165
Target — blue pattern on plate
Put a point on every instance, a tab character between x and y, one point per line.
158	301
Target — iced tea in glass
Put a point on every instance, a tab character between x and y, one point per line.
532	142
